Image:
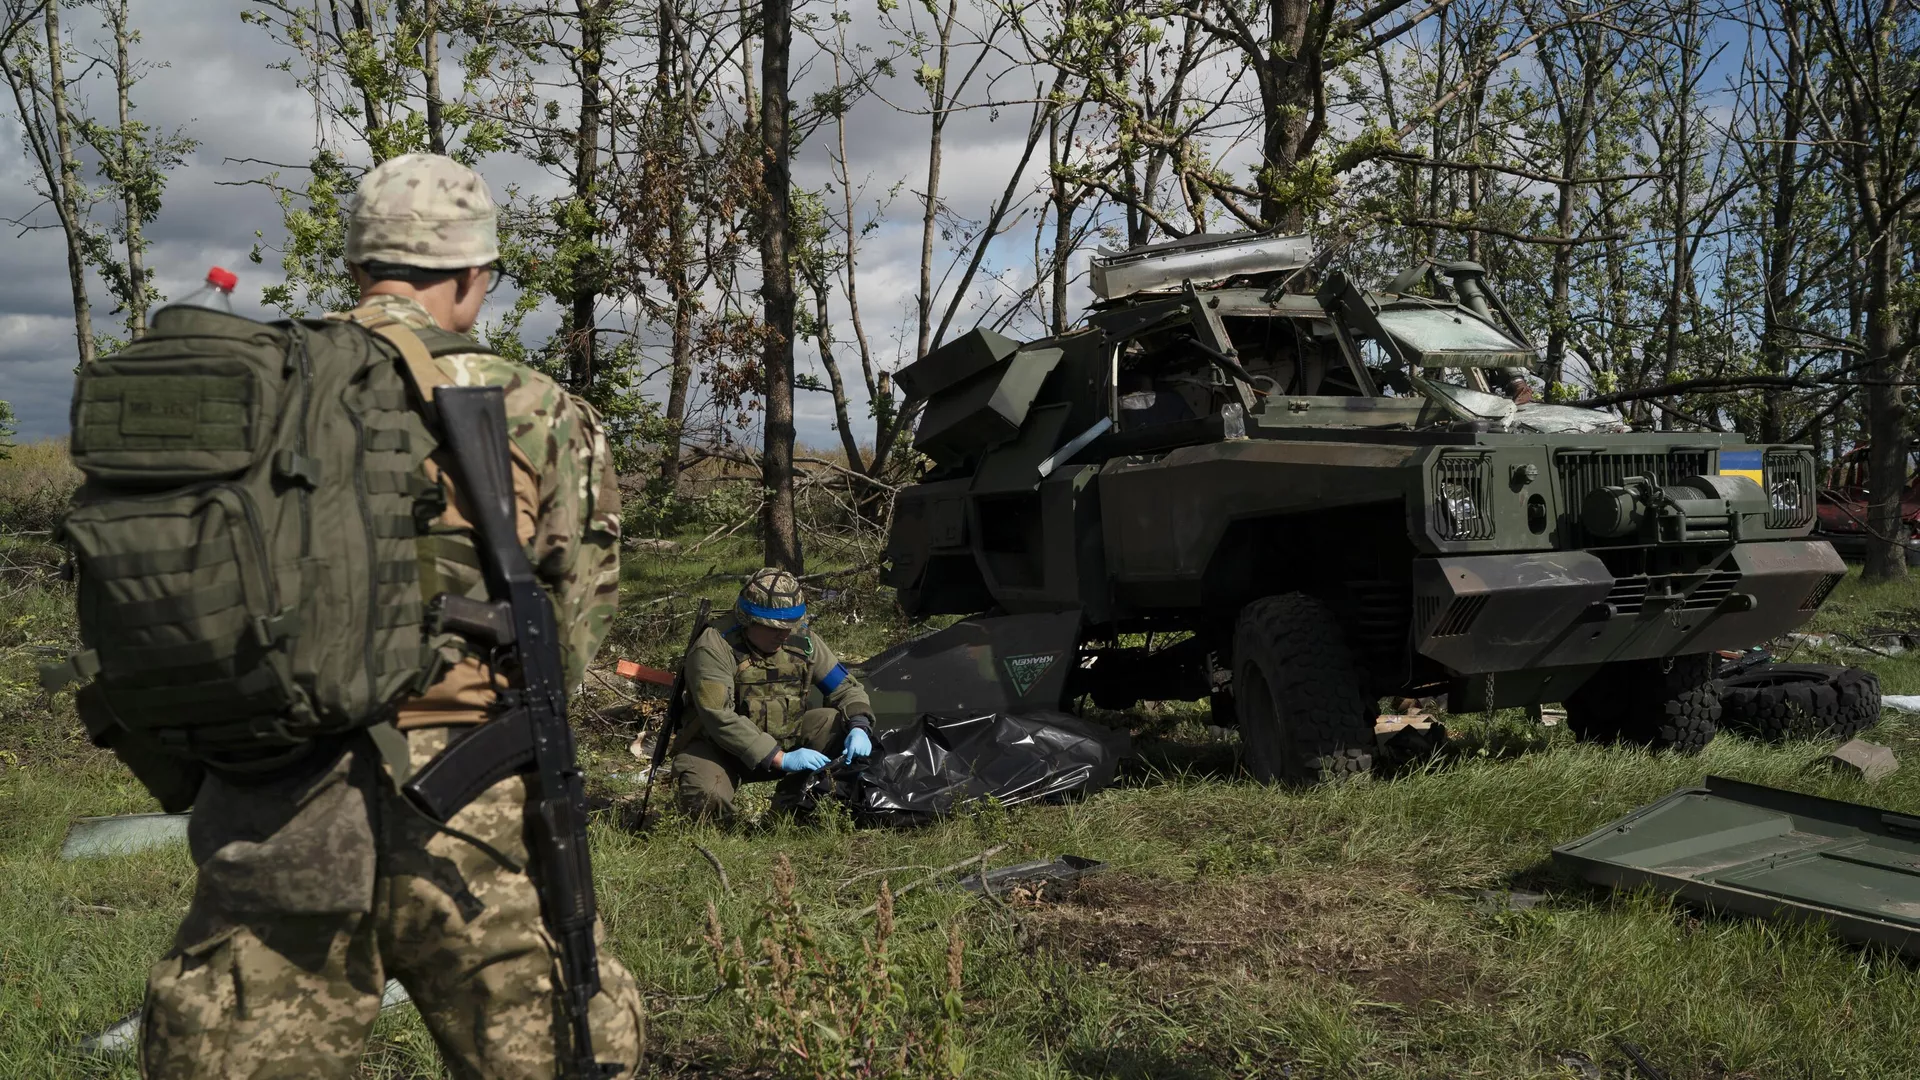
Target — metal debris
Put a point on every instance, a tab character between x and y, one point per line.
1490	900
1868	761
1579	1064
120	1037
1745	849
122	834
1057	871
1903	702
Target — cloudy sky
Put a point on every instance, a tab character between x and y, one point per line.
213	79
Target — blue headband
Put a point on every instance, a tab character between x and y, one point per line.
782	614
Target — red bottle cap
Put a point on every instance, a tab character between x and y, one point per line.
223	280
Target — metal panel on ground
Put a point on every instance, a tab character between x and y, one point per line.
1754	850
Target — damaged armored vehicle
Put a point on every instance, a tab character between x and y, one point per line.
1304	496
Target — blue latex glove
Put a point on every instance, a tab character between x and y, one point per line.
859	745
803	760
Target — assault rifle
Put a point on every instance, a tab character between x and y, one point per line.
676	709
530	728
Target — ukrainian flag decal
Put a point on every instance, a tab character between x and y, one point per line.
1742	463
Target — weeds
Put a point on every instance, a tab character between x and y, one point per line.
35	484
822	1014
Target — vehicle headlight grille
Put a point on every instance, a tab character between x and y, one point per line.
1788	477
1461	507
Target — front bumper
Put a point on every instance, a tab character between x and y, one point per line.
1478	614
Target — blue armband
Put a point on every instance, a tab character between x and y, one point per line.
831	680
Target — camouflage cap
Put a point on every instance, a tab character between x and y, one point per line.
772	597
424	210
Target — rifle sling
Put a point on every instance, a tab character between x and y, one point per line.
492	752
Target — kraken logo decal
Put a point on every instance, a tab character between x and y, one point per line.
1025	671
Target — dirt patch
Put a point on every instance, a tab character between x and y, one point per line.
702	1058
1187	934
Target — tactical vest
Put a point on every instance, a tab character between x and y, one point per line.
772	690
250	540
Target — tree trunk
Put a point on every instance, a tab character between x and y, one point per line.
66	187
584	302
1682	299
1290	87
1059	146
362	15
1559	319
671	93
1777	299
1886	420
879	384
683	310
937	100
436	120
129	148
780	531
836	383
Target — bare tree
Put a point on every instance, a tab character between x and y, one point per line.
134	160
37	78
780	530
1863	85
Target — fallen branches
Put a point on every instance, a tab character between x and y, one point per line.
938	874
713	860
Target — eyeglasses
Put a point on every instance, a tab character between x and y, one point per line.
498	270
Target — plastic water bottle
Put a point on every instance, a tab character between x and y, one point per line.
215	295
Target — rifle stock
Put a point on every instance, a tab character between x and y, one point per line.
676	708
474	423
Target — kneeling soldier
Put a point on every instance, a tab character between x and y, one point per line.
747	678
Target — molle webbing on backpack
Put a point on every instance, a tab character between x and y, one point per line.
251	534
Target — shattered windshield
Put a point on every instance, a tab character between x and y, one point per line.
1430	330
1469	404
1466	403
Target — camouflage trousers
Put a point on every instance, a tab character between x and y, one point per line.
312	892
706	778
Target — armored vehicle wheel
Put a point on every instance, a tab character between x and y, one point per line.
1802	701
1666	704
1303	715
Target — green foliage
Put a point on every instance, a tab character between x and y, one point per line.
36	480
6	428
135	161
314	215
824	1012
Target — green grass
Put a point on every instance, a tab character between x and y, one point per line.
1240	930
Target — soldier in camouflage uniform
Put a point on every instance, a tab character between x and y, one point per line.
315	888
747	678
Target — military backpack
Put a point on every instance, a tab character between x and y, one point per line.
246	544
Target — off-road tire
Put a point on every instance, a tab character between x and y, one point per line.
1778	702
1662	704
1304	717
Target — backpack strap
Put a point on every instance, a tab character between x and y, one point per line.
415	357
446	343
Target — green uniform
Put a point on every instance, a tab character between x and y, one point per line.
312	892
315	888
744	707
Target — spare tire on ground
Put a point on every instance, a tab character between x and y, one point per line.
1801	701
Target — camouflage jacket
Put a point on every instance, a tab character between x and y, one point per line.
749	703
568	504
